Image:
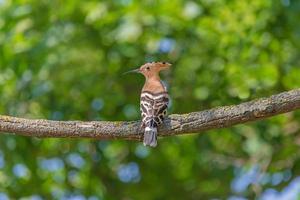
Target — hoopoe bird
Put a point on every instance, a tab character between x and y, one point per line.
154	100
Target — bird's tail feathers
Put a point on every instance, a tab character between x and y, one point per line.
150	136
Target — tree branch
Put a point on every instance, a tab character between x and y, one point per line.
175	124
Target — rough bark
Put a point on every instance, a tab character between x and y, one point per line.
175	124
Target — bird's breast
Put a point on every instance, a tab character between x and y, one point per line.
154	87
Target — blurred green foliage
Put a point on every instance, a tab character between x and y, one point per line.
63	60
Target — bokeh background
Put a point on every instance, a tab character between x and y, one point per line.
63	60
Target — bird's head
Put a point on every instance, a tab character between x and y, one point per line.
151	68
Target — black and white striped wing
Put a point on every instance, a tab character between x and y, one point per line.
154	108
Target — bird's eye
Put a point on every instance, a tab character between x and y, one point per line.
148	68
163	62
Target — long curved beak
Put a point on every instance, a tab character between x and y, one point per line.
133	71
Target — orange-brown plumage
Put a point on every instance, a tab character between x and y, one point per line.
154	100
154	85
